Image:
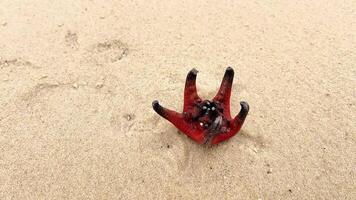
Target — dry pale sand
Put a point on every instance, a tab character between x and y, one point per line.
78	78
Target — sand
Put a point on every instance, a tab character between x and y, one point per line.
77	79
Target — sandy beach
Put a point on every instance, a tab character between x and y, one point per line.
77	79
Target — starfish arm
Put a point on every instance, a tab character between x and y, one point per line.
190	90
235	126
168	114
243	112
224	92
177	119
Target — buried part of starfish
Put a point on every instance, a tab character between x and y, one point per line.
206	121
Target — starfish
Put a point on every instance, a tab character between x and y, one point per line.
206	121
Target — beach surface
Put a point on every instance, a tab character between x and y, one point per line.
77	79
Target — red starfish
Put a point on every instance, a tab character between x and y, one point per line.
206	122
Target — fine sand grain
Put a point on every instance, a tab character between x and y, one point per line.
77	79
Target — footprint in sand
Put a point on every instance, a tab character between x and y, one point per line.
71	40
107	52
19	62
